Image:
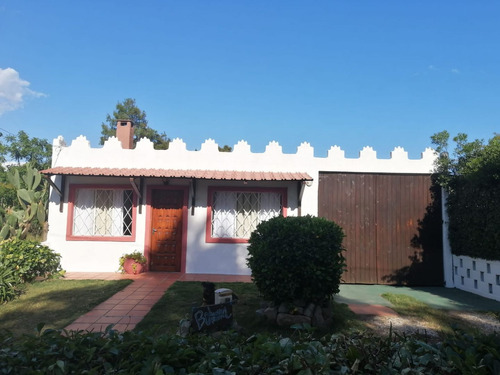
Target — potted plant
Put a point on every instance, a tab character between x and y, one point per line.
133	263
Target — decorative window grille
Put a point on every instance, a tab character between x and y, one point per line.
237	214
103	212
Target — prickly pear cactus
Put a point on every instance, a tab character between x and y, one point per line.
32	197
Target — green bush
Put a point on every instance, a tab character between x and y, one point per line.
8	285
297	258
29	259
55	352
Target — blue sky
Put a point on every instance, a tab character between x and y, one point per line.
346	73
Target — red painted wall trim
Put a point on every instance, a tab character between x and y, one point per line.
149	219
211	189
71	205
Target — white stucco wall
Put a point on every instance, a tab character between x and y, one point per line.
478	276
201	257
475	275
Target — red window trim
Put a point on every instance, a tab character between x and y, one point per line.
212	189
71	206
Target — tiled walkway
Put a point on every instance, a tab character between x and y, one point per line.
129	306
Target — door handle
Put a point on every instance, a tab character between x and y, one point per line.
154	230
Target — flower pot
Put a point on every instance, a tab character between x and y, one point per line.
132	267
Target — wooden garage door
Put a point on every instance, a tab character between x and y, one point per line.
392	225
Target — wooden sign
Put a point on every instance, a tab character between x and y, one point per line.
212	317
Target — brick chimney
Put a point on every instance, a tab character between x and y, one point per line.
125	133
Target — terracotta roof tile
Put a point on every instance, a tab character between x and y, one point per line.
175	173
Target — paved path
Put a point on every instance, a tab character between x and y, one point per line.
129	306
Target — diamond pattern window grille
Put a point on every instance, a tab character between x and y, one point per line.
103	212
237	214
127	212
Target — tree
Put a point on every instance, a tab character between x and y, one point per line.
129	110
23	149
464	159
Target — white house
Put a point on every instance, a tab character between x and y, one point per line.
187	211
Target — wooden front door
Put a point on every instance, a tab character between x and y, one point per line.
166	236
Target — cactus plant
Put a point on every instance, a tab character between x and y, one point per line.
32	197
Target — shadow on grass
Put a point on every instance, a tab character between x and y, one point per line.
56	303
181	297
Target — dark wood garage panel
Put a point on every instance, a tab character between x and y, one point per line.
392	224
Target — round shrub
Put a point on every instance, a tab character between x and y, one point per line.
296	258
29	259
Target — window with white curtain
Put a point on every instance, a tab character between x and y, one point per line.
102	212
236	214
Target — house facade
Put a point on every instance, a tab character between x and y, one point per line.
193	211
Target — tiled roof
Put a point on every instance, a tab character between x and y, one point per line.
174	173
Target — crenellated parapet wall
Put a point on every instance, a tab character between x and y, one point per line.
111	155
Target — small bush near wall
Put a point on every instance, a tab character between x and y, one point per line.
29	259
297	258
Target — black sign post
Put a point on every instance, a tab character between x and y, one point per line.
212	318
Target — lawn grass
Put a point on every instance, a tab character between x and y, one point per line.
56	303
178	300
437	319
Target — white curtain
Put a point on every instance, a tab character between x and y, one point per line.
237	214
83	214
248	214
98	212
270	206
224	214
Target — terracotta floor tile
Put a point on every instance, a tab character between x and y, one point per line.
118	312
155	293
123	295
129	302
141	313
151	298
143	307
95	312
106	305
87	319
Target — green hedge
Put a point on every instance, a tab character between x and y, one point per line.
474	205
474	217
230	353
471	177
296	258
